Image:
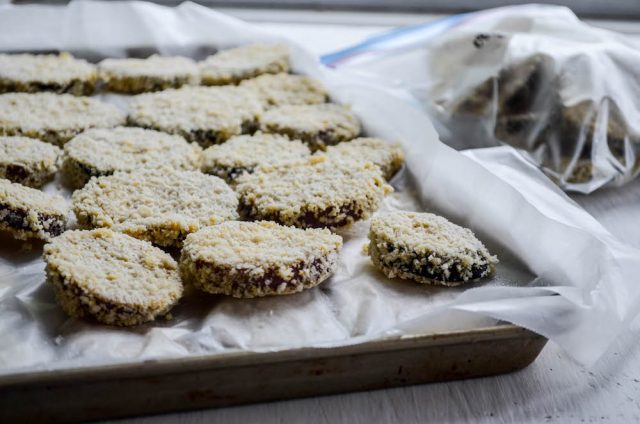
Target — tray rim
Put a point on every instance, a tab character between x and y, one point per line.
236	359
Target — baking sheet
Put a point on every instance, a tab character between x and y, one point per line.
561	273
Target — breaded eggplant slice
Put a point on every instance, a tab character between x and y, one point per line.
28	213
111	277
428	249
244	153
287	89
28	161
312	194
155	73
204	115
234	65
254	259
103	151
32	73
319	125
54	118
159	205
388	157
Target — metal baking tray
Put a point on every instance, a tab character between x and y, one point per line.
167	385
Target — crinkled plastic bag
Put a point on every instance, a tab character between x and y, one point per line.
534	77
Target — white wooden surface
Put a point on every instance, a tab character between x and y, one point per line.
553	389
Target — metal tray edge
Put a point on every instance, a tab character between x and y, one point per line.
164	366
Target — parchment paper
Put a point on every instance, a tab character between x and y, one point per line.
561	273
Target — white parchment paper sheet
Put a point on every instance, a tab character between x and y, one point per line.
561	273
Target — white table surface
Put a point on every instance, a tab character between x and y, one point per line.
552	389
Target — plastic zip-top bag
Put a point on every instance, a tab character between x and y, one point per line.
534	77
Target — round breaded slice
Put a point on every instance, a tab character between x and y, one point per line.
428	249
54	118
312	194
61	73
154	73
28	213
254	259
158	205
242	154
286	89
28	161
111	277
234	65
103	151
388	157
205	115
319	125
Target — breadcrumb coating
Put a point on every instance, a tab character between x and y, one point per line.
286	89
388	157
205	115
234	65
103	151
428	249
61	73
242	154
314	193
114	278
251	259
319	125
28	161
54	118
159	205
133	76
29	213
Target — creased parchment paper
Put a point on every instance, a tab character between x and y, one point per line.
561	273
